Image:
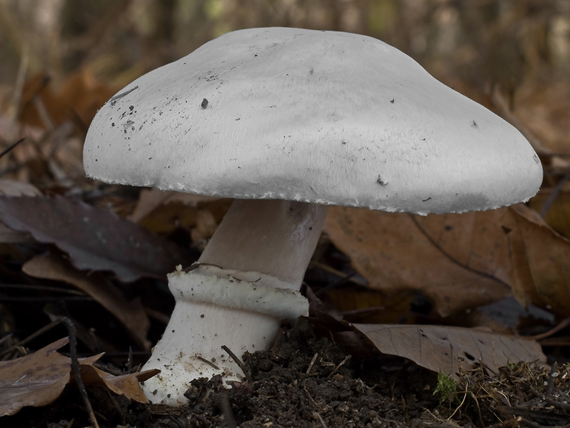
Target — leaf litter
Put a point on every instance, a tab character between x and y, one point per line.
38	379
130	313
95	238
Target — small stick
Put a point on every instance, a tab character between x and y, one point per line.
553	195
6	338
75	367
11	147
209	362
550	387
238	362
339	366
562	325
130	360
31	337
321	419
310	398
316	406
312	362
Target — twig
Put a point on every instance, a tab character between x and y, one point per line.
312	362
562	325
43	288
315	405
130	360
339	366
461	404
31	337
555	403
11	147
321	419
553	195
335	284
238	362
553	373
6	338
76	371
208	362
363	311
338	273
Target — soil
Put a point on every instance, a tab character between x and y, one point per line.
307	380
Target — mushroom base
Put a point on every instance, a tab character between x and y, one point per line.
247	280
206	316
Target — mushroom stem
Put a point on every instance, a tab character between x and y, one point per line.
247	281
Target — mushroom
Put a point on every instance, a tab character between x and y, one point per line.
288	121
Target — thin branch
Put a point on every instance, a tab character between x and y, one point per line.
9	149
76	371
239	363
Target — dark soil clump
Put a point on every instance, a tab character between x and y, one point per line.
310	381
305	381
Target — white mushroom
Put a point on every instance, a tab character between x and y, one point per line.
288	121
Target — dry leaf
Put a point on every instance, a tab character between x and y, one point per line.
95	239
558	215
34	380
447	349
81	95
127	385
543	108
130	313
364	305
38	379
540	272
457	261
16	188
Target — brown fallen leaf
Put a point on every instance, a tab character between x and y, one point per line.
127	385
95	238
130	313
80	96
34	380
558	215
540	268
38	379
16	188
543	109
450	349
458	261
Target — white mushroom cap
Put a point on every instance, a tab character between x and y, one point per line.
313	116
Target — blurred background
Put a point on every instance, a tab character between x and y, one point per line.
60	60
72	55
